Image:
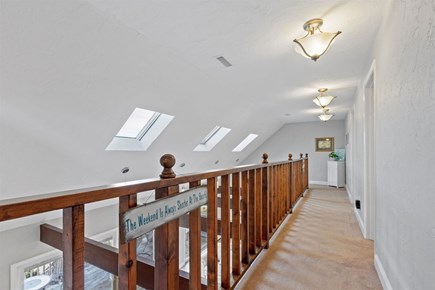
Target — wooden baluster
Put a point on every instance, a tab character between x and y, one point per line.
278	209
265	230
302	177
245	221
279	193
271	201
275	186
194	245
290	168
285	187
298	173
287	178
166	272
293	183
284	198
258	207
251	212
290	186
127	266
236	223
306	171
73	247
301	168
301	174
212	233
278	187
282	194
225	236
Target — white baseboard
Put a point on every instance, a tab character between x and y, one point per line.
382	275
349	194
318	182
360	222
297	203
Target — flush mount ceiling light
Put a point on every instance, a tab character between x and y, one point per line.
325	116
316	42
321	100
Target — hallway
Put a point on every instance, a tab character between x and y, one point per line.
319	247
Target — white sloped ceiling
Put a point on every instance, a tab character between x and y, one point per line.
73	71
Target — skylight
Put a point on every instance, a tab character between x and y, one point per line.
210	135
140	130
245	142
212	138
139	122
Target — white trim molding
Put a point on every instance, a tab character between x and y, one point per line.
349	194
318	182
369	123
382	275
298	203
360	222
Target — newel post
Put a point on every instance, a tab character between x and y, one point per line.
290	157
301	155
265	156
265	202
166	273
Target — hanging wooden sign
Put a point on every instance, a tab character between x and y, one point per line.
139	220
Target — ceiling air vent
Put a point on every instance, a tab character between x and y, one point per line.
223	61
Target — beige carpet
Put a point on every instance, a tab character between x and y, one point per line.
319	247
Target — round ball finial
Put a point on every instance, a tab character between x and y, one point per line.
306	155
290	156
265	156
167	161
301	155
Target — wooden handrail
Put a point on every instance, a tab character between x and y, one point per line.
259	196
35	204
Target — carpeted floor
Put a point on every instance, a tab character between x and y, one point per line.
319	247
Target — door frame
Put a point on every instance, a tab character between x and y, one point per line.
369	99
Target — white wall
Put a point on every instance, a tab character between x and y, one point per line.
404	150
300	138
355	154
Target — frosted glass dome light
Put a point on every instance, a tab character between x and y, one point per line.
316	42
321	100
325	116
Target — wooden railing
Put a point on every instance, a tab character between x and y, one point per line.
259	196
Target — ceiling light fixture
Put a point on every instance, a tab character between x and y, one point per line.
316	42
325	116
321	100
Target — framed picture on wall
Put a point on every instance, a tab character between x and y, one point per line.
324	144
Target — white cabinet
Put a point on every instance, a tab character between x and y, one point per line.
336	173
